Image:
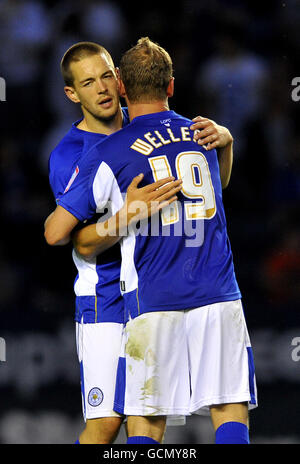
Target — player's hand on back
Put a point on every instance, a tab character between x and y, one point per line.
209	134
143	202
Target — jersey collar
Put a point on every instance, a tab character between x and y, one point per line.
162	116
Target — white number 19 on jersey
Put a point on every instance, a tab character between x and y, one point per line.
193	169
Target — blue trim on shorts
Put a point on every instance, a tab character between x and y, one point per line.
119	400
92	309
131	305
251	375
82	387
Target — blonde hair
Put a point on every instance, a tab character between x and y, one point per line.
146	70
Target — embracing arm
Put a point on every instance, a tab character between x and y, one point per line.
211	134
225	155
58	226
139	204
96	238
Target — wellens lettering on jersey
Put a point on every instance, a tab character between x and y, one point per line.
157	140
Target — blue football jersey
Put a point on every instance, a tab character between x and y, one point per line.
97	289
181	258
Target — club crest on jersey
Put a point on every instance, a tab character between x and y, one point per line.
73	177
95	396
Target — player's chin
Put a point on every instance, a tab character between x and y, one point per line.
107	114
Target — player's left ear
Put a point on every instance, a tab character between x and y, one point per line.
71	94
170	89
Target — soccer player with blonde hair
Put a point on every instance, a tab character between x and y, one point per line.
91	81
186	343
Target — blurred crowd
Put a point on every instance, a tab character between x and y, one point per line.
234	62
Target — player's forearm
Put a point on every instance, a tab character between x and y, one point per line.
94	239
225	155
55	230
138	205
54	238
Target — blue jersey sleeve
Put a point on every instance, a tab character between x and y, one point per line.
60	169
77	197
57	176
56	179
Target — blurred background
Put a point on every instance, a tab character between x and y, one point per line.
234	62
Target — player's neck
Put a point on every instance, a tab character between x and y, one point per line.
140	109
91	124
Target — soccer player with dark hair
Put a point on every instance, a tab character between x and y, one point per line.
91	81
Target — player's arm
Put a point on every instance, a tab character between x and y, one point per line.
225	156
71	196
60	222
211	135
58	226
139	204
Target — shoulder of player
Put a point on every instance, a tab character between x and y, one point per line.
104	147
180	119
90	162
98	160
67	150
116	136
172	118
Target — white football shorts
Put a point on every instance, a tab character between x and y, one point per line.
183	362
98	349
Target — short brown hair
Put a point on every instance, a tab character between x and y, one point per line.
77	52
146	70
